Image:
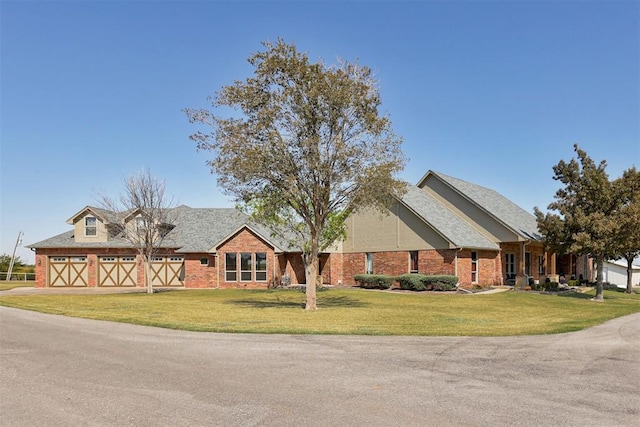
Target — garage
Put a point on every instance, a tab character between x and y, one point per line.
168	271
117	271
68	271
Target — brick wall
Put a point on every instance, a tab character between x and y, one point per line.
197	275
248	242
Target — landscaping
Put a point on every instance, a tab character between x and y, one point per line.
342	311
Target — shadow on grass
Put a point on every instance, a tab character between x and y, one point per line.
323	301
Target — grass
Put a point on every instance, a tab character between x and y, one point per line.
5	285
342	311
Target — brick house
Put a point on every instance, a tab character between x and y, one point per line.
442	225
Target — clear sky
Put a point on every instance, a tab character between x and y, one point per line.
492	92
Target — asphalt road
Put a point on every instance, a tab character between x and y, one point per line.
59	371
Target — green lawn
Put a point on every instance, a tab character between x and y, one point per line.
342	311
5	285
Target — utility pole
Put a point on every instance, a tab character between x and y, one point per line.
13	257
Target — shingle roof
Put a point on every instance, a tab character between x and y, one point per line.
196	230
460	233
498	206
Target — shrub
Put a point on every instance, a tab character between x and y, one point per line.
440	283
412	282
373	281
423	282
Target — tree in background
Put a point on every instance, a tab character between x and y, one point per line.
585	209
308	148
627	220
19	267
143	216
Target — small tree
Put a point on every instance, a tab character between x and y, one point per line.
308	149
627	220
585	206
143	216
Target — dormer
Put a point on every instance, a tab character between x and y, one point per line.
90	225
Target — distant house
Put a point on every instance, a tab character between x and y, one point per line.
615	272
442	225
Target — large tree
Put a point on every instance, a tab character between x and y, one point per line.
627	220
143	216
584	207
308	148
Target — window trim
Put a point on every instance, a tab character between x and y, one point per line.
368	263
474	267
250	270
94	226
206	261
256	267
414	263
227	255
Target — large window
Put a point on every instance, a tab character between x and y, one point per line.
474	267
261	267
245	267
527	263
413	261
510	265
90	226
231	267
369	263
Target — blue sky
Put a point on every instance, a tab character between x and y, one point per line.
493	92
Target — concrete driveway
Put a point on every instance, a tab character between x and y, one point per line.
60	371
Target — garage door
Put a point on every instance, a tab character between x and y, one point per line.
168	271
68	271
117	271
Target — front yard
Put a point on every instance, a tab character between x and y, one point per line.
342	311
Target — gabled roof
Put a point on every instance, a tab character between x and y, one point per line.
450	226
196	230
495	204
103	214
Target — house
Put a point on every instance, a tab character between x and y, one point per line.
615	272
442	225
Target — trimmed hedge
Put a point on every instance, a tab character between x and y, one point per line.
374	281
423	282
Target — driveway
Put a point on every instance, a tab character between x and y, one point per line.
60	371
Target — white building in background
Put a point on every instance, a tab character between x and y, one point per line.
615	272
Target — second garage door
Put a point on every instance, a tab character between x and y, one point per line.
168	271
117	271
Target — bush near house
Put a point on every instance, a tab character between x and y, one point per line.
374	281
423	282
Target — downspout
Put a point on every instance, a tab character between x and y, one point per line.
217	258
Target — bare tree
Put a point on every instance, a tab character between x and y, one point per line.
143	216
309	148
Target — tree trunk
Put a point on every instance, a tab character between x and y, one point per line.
600	269
629	275
147	274
311	273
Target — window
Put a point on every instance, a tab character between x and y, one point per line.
128	258
79	258
510	266
231	267
540	265
261	267
245	267
59	259
204	261
90	226
369	263
413	261
140	224
474	267
527	263
107	259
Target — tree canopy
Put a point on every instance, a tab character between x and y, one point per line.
308	147
586	212
626	220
